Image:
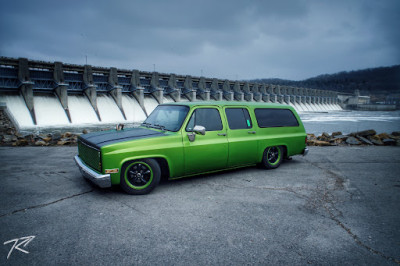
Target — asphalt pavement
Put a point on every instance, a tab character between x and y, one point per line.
336	206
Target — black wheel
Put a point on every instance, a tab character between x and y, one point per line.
272	157
140	177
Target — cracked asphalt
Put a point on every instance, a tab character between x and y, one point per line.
336	206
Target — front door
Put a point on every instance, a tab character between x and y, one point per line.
207	152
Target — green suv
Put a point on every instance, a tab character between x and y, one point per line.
190	138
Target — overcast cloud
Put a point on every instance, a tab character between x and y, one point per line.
223	39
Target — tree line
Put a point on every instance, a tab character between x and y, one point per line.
376	82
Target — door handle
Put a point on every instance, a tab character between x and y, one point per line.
221	134
252	132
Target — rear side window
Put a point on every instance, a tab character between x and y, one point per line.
238	118
275	118
206	117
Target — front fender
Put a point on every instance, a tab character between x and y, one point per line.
115	177
168	148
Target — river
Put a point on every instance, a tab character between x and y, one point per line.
351	121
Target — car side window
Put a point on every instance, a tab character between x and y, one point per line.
206	117
238	118
275	118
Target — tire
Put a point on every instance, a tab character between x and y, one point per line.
140	177
272	157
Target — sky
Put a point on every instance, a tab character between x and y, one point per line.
225	39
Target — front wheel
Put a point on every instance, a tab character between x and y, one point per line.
140	177
272	157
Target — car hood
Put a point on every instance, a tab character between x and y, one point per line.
103	138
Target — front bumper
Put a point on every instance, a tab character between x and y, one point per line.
305	151
99	179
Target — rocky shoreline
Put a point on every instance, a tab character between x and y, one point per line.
362	138
365	138
9	136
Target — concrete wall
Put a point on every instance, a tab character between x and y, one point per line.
26	77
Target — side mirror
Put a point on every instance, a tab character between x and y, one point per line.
196	130
199	130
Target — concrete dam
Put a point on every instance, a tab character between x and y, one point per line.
38	94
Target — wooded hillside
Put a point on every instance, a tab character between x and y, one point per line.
377	82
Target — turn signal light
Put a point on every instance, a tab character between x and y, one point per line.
112	171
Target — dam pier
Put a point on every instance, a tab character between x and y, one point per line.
53	94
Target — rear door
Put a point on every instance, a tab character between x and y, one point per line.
242	137
210	151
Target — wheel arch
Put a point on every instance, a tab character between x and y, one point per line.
164	166
162	162
284	150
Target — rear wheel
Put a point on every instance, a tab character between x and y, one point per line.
140	177
272	157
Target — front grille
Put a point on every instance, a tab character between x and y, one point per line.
90	155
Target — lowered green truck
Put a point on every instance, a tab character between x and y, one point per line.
190	138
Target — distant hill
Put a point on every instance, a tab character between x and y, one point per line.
377	82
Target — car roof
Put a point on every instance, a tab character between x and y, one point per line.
230	103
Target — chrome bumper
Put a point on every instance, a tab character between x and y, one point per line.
99	179
305	151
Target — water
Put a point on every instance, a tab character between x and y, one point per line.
351	121
132	109
150	103
17	107
306	107
50	115
184	98
81	110
168	99
108	109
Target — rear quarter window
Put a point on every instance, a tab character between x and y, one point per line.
267	117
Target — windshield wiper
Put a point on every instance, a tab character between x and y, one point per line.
156	126
146	124
159	126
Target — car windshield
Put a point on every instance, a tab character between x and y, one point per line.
167	117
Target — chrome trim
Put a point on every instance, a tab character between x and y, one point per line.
305	151
199	130
88	145
99	179
191	136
